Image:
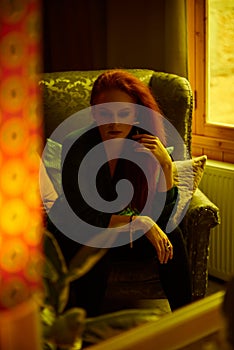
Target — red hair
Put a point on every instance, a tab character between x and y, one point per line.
151	119
123	80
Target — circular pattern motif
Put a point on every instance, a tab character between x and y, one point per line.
12	49
13	292
12	11
14	255
14	136
13	177
13	94
14	217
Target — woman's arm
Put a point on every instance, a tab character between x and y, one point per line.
152	231
166	181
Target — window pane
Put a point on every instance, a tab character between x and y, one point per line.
221	62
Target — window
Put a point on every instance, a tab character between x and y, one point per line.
220	56
211	74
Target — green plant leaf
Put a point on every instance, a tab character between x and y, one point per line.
83	261
49	271
66	329
63	296
53	252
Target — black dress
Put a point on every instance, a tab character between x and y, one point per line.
88	292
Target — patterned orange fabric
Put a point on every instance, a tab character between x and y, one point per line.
20	141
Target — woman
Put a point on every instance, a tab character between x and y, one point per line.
116	101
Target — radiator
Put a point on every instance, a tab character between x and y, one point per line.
218	184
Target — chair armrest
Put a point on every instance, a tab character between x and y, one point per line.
202	211
201	216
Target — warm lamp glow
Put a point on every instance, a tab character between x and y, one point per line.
20	144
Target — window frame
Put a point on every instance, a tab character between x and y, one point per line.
216	141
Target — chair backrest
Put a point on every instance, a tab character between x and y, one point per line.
65	93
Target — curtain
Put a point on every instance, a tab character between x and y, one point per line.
91	34
175	51
74	35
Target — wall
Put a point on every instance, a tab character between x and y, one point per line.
90	34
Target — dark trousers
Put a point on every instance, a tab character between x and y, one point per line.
88	291
175	276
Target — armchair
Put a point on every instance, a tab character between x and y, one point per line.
65	93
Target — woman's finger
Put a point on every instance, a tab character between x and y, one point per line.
168	250
147	136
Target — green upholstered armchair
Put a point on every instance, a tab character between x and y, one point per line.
65	93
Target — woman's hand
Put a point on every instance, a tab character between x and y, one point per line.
153	232
156	236
153	144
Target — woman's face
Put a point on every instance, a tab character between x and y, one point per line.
115	120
